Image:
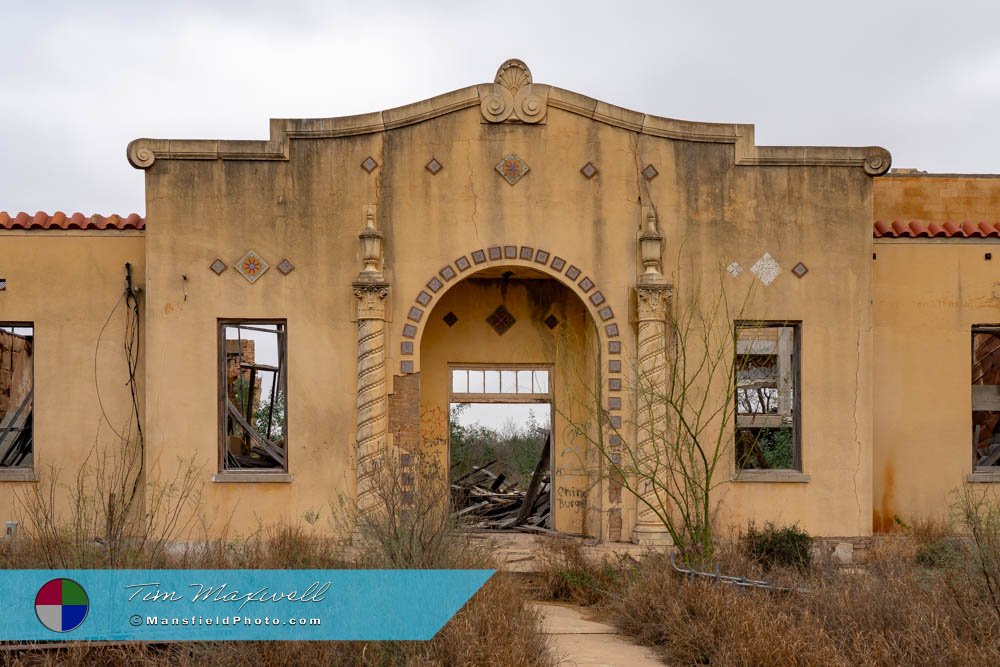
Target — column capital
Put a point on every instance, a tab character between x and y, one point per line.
370	300
653	301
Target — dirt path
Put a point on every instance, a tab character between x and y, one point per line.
579	641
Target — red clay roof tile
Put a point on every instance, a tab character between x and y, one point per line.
60	220
935	229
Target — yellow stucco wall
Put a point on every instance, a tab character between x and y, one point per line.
937	197
928	295
67	284
309	208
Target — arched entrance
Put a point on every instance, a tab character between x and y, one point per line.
585	348
502	341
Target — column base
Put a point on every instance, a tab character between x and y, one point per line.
651	535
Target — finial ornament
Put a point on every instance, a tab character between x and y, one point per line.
513	97
651	250
371	248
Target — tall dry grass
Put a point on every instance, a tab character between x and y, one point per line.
496	627
925	598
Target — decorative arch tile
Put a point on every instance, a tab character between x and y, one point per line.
527	252
510	252
558	263
447	272
586	284
434	285
606	313
572	273
462	263
597	298
541	256
614	347
423	298
478	256
611	330
406	347
415	314
495	252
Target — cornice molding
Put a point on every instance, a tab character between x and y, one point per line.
875	161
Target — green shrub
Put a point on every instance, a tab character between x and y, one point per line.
772	545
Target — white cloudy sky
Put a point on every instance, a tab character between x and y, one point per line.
81	79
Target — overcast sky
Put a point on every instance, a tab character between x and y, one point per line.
79	80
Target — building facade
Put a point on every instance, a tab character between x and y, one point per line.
301	313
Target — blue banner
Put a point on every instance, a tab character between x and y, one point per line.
213	605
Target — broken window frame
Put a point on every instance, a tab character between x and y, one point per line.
788	412
985	399
279	386
17	442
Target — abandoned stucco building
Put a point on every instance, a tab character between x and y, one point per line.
400	261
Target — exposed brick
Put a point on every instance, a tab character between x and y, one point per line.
404	412
615	525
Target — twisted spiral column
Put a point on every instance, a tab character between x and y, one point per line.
372	423
651	410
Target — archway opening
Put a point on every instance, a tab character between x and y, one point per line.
509	362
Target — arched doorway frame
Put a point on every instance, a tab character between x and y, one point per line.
584	287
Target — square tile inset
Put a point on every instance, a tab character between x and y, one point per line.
512	168
501	320
478	256
252	266
766	269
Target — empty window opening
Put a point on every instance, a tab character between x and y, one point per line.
766	370
253	396
986	396
501	446
17	389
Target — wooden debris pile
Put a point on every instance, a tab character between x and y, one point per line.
482	499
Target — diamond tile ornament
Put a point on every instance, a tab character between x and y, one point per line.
285	267
218	266
650	172
800	270
3	284
588	170
434	166
369	164
766	269
551	321
734	269
450	319
501	320
512	168
252	266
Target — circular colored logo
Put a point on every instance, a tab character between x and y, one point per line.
61	605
